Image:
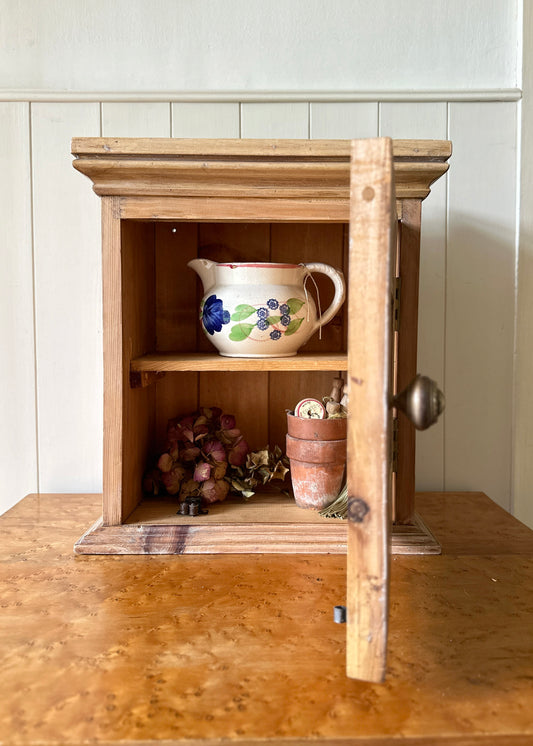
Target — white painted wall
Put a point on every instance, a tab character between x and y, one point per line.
297	68
294	45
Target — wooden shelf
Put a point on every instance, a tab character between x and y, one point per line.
201	361
269	523
264	508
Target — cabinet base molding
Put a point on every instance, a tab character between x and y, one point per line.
239	538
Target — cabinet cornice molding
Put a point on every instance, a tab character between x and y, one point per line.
281	169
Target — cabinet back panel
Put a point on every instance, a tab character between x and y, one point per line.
245	395
258	400
177	326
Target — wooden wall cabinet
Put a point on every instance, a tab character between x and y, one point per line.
166	201
355	205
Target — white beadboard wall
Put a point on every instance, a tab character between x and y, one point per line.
467	274
50	289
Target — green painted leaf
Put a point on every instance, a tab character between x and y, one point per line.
294	305
240	332
273	320
242	312
293	327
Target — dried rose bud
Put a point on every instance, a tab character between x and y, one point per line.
227	422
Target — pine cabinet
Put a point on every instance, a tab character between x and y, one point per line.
354	205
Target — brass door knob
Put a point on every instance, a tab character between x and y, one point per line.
422	402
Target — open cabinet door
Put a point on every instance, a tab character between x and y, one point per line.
373	226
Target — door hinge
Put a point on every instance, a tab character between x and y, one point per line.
394	458
397	289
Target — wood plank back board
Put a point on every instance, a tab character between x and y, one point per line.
369	474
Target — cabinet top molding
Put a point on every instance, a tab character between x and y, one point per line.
307	169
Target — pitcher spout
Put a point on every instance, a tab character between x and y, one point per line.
205	269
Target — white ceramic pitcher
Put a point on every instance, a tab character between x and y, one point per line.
262	309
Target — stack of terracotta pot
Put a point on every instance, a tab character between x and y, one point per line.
316	447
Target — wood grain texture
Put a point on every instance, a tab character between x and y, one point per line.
114	378
276	527
176	318
241	178
191	650
370	355
249	209
204	361
137	291
409	263
226	168
129	328
249	147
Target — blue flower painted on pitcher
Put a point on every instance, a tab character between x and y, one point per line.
214	315
277	319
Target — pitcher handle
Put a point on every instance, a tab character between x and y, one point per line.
337	279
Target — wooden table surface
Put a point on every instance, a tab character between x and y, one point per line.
196	649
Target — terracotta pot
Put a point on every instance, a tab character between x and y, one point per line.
317	454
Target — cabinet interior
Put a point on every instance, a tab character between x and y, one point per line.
162	334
